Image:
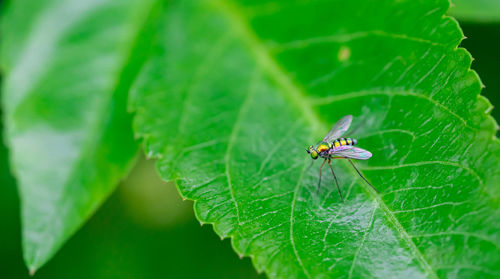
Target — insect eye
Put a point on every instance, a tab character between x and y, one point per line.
314	155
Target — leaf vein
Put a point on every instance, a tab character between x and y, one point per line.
292	212
356	94
232	140
430	207
467	234
368	228
343	38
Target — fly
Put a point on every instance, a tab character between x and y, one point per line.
333	146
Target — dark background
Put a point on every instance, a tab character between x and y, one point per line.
145	231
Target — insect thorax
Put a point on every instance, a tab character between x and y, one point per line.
323	147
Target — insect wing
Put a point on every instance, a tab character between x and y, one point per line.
352	152
338	129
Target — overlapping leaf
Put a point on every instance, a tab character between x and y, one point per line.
65	96
235	91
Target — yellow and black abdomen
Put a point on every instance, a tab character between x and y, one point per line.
344	141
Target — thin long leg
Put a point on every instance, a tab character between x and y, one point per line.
319	182
336	182
362	175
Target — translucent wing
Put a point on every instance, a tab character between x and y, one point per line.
338	129
351	152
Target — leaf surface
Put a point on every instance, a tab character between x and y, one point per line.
236	91
65	95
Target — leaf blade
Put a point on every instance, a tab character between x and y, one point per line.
65	95
281	96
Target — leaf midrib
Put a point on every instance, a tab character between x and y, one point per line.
297	97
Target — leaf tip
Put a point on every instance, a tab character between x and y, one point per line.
32	270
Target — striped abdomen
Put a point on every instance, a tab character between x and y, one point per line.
344	141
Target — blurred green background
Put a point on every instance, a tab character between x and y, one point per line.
482	42
145	230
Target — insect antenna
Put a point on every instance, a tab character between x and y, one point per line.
319	182
362	175
336	182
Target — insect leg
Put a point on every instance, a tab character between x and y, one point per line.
319	182
362	175
336	182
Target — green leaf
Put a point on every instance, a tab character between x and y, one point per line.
476	10
236	91
67	75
